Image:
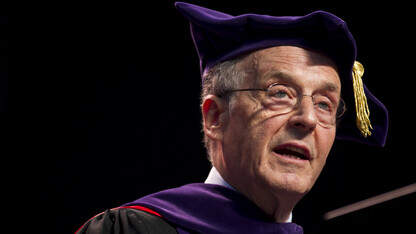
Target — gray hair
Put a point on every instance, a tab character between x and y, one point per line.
218	81
221	78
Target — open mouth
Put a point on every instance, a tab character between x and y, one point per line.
292	152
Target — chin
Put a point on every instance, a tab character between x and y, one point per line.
292	184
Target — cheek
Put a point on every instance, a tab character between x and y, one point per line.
324	141
247	138
264	129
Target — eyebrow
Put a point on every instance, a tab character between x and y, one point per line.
330	86
275	74
286	77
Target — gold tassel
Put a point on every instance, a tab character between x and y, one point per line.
361	106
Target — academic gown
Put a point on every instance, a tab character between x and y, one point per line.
193	208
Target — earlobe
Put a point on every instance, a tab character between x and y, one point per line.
212	109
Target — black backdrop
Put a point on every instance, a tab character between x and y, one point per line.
100	106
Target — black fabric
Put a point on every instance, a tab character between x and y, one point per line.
126	221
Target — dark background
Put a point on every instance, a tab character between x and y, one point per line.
99	106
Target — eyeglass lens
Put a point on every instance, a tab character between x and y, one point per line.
285	99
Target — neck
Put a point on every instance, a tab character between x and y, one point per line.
277	205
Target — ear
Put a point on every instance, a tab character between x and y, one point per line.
212	112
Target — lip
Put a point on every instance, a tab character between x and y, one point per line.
294	145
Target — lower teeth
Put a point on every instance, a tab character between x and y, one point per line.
291	156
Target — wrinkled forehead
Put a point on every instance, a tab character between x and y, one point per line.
288	61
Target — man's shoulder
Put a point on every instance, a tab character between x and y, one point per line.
126	221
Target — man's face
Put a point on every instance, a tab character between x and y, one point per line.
259	146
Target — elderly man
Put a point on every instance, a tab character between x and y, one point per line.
274	99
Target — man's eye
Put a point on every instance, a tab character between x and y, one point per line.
324	106
281	94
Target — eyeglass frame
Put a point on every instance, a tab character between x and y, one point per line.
337	116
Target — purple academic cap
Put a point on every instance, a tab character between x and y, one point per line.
219	37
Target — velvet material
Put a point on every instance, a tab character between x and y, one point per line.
126	221
208	208
219	37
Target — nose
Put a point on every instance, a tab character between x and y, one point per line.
304	117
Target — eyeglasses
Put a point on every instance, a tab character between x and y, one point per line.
285	99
